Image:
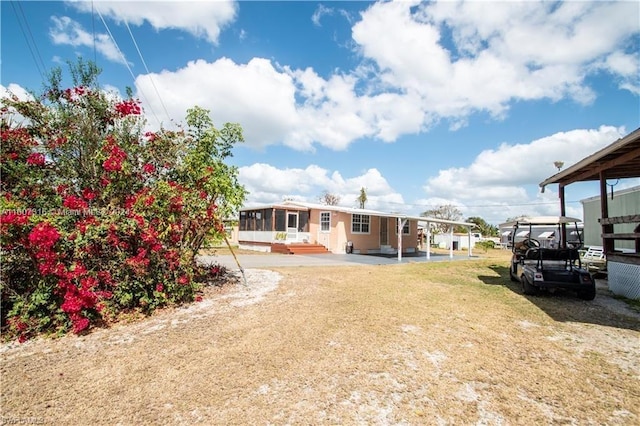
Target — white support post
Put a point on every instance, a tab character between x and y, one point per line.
428	240
400	223
469	233
451	243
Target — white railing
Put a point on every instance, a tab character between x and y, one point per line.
293	236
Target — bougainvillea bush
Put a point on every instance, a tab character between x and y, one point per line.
101	216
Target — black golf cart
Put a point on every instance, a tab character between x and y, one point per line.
553	265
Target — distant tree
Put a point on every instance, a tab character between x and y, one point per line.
362	198
558	164
446	212
486	229
515	218
329	199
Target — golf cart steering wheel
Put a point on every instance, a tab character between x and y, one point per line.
532	243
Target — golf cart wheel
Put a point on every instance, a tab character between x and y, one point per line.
527	287
589	294
512	276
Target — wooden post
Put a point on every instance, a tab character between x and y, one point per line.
563	212
607	244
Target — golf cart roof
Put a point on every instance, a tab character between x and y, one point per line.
542	220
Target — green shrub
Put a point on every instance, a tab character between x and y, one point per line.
100	216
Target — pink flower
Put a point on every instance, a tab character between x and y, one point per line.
159	288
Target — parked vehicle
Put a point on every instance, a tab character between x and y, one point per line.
547	269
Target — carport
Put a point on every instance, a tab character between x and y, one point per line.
620	160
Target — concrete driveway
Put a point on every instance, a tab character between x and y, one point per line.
286	260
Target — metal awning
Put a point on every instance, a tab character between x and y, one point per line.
522	234
546	234
505	233
621	159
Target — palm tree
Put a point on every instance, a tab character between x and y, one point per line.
362	199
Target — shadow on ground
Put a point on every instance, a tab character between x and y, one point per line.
566	306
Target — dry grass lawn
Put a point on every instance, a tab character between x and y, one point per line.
438	343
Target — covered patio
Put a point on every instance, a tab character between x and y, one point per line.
620	160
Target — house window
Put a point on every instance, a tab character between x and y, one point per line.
405	228
303	221
243	221
360	223
281	221
325	221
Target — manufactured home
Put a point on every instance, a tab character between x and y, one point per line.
297	227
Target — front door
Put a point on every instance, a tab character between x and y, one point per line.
384	232
292	226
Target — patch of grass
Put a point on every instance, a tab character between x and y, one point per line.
632	303
418	343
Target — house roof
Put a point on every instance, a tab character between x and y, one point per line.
352	210
541	221
619	160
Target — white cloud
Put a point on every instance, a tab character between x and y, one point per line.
320	11
267	184
15	90
204	19
504	182
67	31
463	57
255	95
421	63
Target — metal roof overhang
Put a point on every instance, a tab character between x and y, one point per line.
619	160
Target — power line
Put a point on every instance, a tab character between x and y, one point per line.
30	40
126	63
482	205
146	68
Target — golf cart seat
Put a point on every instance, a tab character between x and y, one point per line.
545	254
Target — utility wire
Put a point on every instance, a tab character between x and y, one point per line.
127	64
146	69
93	26
37	58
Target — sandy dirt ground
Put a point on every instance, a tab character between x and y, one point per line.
362	345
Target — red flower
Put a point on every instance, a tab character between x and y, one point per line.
128	107
61	189
176	204
35	159
151	136
88	194
74	203
159	288
148	168
198	298
116	156
183	280
12	218
105	277
44	236
80	325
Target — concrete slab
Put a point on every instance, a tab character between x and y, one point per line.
283	260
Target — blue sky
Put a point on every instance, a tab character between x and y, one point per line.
421	103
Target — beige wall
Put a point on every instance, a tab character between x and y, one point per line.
336	240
